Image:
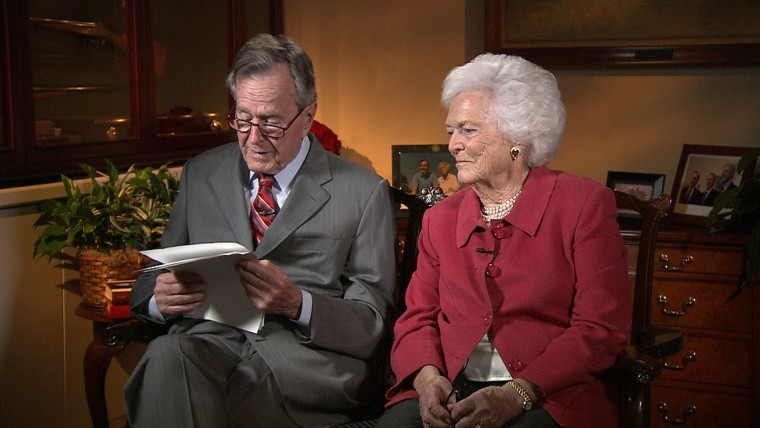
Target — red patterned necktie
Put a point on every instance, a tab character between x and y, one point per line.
264	207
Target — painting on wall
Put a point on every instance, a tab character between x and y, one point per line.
703	172
582	33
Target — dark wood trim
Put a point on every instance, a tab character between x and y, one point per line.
747	54
276	17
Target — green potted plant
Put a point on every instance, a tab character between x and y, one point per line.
107	226
738	209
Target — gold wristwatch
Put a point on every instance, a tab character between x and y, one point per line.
527	402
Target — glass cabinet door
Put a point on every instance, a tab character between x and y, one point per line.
131	81
190	63
80	72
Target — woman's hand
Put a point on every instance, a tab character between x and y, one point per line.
434	390
490	407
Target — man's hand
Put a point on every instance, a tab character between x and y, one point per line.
177	293
270	290
434	390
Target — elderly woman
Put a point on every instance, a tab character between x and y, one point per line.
520	299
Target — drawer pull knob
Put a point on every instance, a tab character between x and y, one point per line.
691	356
665	259
663	409
663	300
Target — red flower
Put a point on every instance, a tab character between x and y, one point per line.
326	136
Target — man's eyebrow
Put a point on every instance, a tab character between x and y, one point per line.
265	116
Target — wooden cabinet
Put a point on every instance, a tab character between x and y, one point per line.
133	81
713	381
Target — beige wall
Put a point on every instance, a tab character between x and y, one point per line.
379	66
639	120
42	342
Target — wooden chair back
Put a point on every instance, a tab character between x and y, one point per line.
416	206
640	363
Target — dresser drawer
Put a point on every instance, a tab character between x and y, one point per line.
704	407
695	259
710	360
700	304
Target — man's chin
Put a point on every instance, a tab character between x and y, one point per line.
258	165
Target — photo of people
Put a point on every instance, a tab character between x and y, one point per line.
446	180
419	166
704	178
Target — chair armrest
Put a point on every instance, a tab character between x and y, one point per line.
630	379
659	342
130	330
638	366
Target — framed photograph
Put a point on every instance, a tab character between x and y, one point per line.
703	172
407	159
620	33
642	185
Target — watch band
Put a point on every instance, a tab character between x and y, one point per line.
527	402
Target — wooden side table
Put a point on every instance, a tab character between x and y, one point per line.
97	358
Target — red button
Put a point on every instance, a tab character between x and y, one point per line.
515	365
501	231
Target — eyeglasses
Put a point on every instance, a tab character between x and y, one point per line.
268	129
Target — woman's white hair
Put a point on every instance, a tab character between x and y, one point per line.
527	105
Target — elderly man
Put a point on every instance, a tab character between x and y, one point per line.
690	193
727	177
323	273
423	178
709	195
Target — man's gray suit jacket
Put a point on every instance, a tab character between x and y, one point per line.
334	237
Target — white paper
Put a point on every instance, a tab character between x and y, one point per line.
226	301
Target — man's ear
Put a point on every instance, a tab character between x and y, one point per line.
310	112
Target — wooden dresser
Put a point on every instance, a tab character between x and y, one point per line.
713	381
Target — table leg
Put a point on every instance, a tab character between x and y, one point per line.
96	361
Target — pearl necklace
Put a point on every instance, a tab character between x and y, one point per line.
500	211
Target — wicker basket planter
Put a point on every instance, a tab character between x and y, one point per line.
96	269
106	219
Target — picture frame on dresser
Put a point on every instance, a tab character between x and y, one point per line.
692	200
645	186
406	160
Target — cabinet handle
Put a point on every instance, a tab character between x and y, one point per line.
691	356
663	300
664	259
663	408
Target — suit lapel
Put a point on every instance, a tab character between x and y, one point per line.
306	197
229	186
